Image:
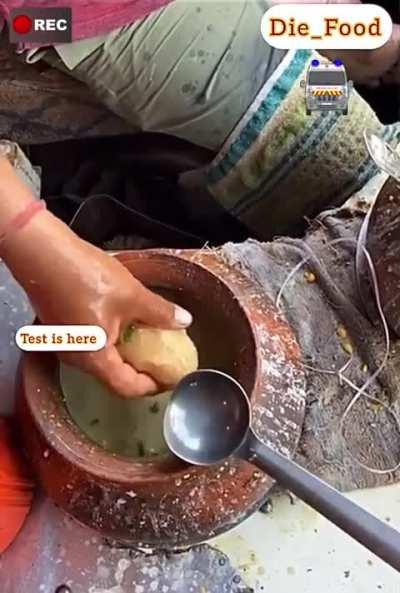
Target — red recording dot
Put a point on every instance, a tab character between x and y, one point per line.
22	24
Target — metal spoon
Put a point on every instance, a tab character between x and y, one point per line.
382	154
209	419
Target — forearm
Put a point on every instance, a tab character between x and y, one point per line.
69	281
14	195
29	252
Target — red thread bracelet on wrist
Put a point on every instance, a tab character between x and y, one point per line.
22	219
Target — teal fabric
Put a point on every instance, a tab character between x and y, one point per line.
367	168
307	143
264	113
282	164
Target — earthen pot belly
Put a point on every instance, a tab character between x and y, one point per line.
166	502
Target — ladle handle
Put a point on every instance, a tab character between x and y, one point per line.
368	530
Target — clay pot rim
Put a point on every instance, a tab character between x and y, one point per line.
88	456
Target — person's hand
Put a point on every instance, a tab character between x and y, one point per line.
106	294
72	282
367	67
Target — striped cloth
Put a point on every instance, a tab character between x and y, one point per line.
281	165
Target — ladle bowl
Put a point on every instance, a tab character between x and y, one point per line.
208	419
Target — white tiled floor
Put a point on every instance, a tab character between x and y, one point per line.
294	549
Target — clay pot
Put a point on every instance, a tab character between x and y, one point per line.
381	237
166	502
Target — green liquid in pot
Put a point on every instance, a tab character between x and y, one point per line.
131	428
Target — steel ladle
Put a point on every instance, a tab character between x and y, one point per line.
209	419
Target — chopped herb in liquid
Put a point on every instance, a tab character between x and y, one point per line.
127	334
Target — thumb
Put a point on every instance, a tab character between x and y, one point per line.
154	311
